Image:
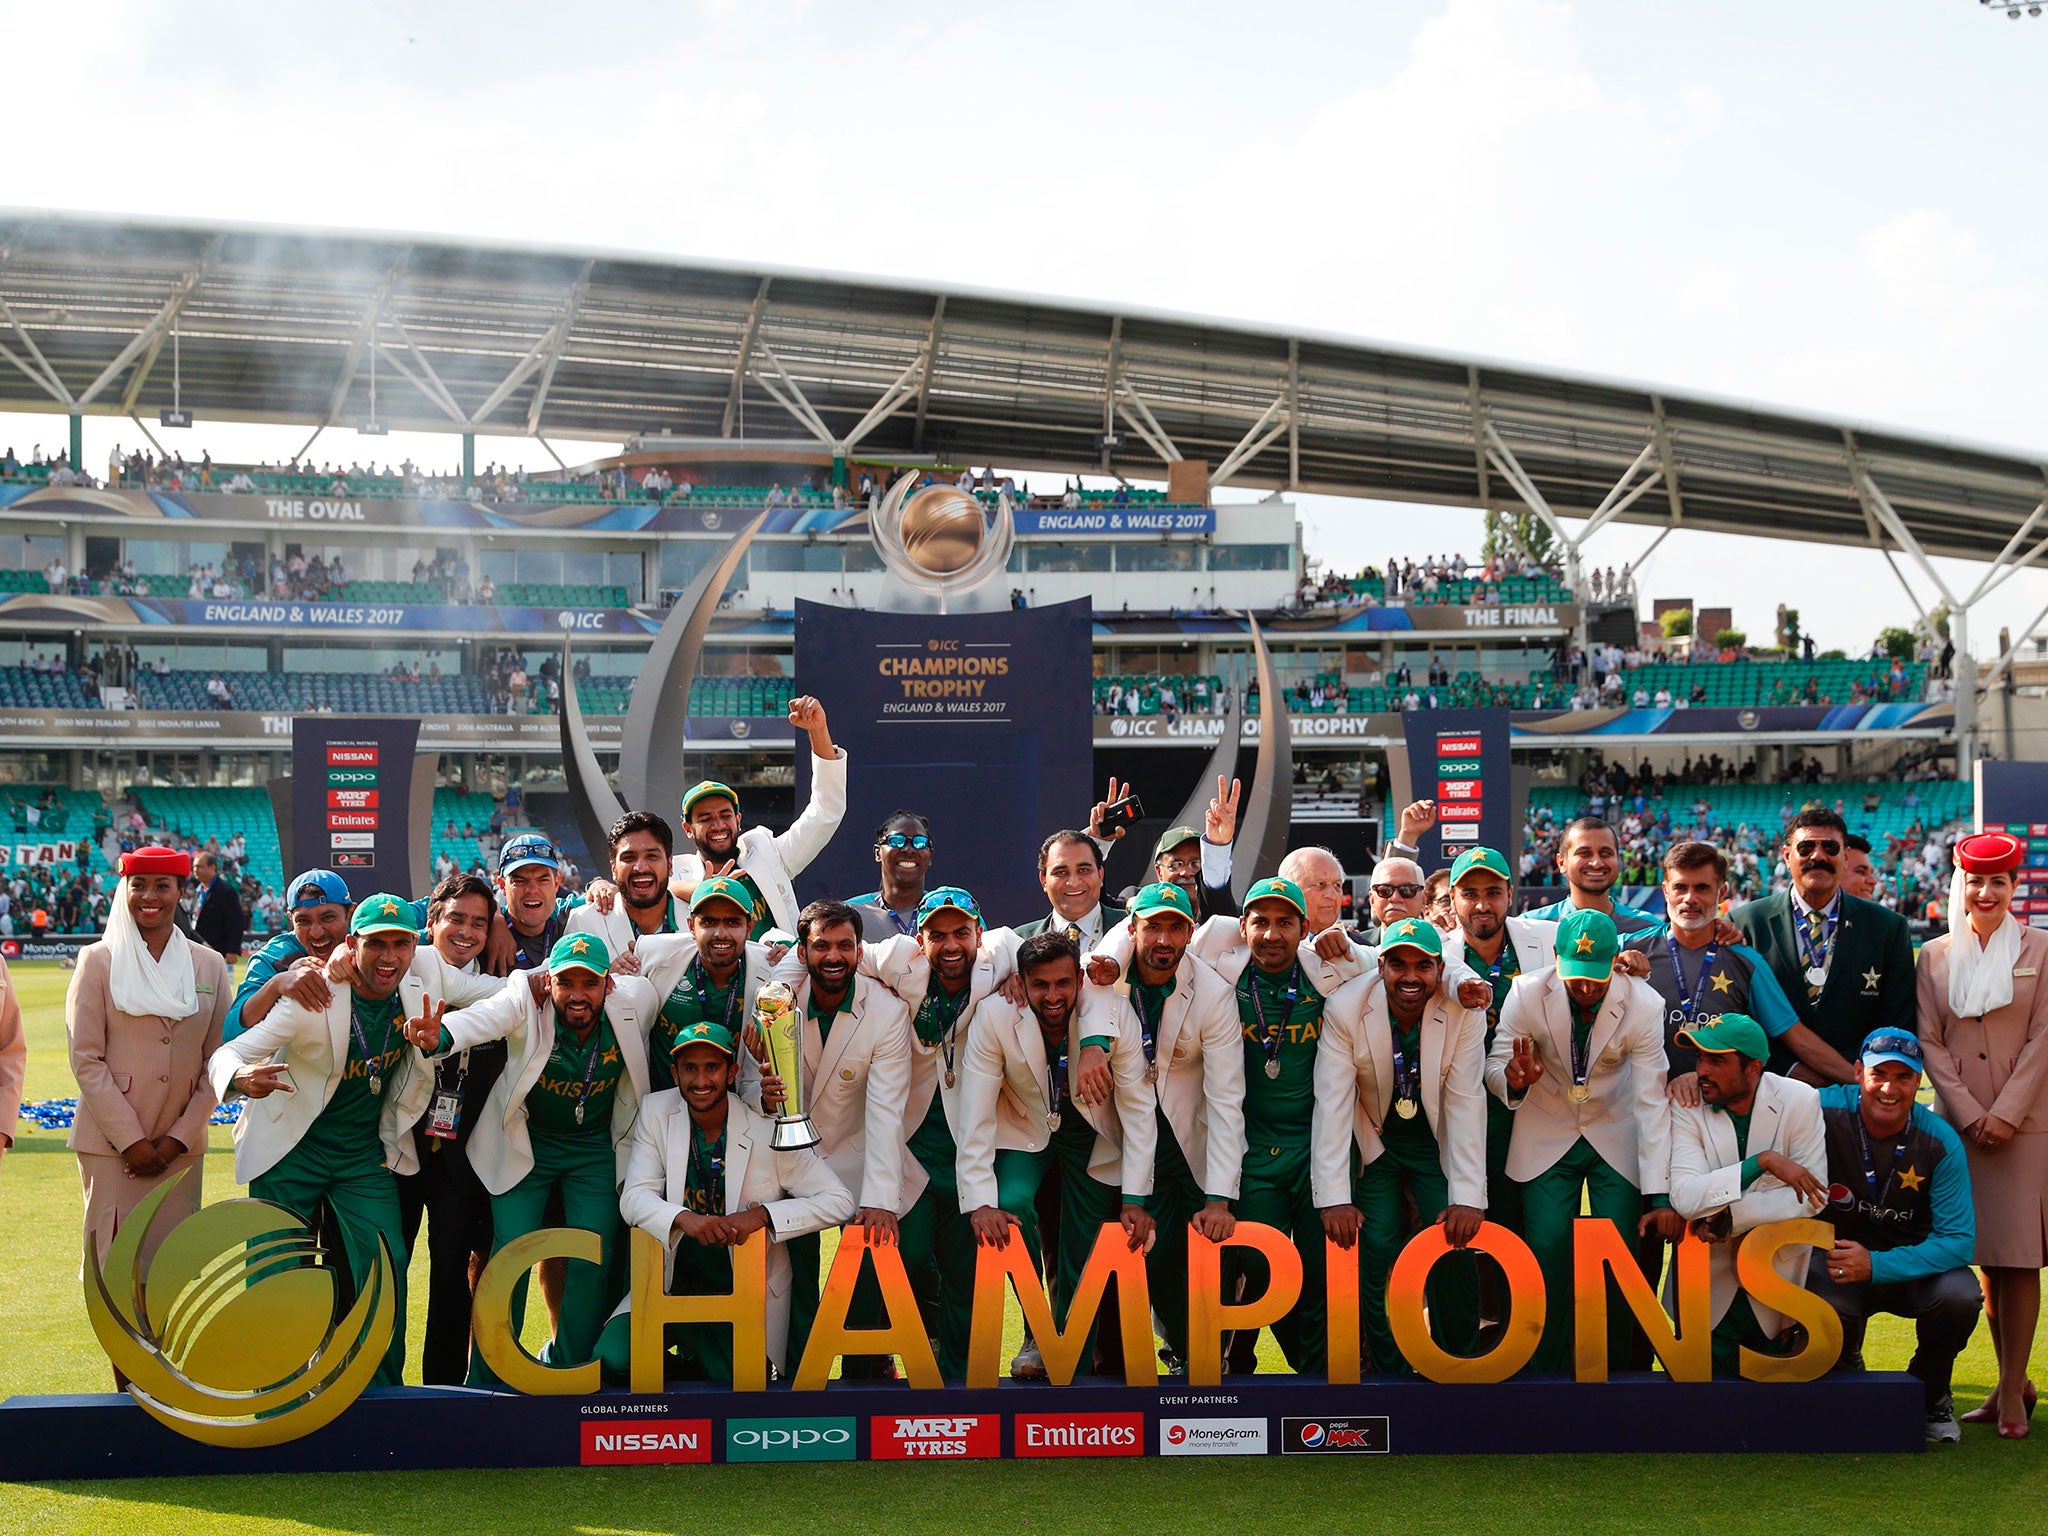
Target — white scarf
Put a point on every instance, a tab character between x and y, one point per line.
1979	975
144	984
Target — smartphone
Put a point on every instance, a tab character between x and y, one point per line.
1125	813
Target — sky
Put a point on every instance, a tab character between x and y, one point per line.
1827	208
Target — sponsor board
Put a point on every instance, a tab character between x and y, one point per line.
340	777
642	1442
1457	746
1078	1434
1458	789
789	1439
1212	1437
1462	810
1459	834
1334	1436
926	1437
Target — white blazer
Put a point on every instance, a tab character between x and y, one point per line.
1355	1090
774	859
616	928
500	1144
314	1044
1706	1177
665	962
1627	1119
1535	944
798	1190
1199	1051
1004	1105
900	966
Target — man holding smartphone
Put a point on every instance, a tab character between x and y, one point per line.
1070	872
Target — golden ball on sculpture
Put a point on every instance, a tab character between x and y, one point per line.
943	528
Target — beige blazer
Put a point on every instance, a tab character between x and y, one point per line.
901	967
1199	1052
13	1057
1627	1119
137	1076
1354	1082
775	859
1004	1105
798	1190
1997	1064
1706	1177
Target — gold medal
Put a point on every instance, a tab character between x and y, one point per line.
949	1077
1578	1093
1405	1108
1052	1121
1151	1071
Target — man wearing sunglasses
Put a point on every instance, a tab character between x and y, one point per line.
903	851
1846	963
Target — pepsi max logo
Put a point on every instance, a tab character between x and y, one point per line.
1335	1437
1840	1199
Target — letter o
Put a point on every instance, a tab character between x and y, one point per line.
1526	1306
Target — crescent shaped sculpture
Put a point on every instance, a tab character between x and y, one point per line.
1269	809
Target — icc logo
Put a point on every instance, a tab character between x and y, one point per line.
231	1339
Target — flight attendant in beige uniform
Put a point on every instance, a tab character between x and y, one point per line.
1983	1017
143	1013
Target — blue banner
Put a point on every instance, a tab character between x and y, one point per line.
1459	759
1093	522
980	722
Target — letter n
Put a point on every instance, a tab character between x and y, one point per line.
1599	1250
903	1330
1111	1258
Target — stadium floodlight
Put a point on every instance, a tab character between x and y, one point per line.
177	415
372	427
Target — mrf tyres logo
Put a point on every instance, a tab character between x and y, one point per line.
960	1436
1080	1434
642	1442
789	1439
1334	1437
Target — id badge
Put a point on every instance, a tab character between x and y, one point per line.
446	1114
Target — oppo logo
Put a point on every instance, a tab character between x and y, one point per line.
766	1437
789	1439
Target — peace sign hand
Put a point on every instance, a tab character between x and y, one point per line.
1220	825
1525	1066
425	1031
1095	827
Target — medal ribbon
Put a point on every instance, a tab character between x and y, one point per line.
1270	1033
936	1016
1148	1028
1056	1076
372	1065
1817	957
1407	1074
700	983
589	1066
1582	1047
707	1168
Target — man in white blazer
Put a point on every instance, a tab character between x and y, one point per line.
557	1122
1186	1018
638	903
1579	1058
768	862
325	1090
855	1054
707	974
702	1178
1752	1151
1023	1114
1400	1075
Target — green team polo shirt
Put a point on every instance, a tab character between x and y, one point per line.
684	1007
1414	1130
353	1107
1510	968
551	1102
1277	1110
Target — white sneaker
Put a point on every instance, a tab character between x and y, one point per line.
1942	1428
1028	1366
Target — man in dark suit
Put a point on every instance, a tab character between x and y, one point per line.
1070	871
220	923
1846	963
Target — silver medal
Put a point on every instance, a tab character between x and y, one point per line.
1151	1071
376	1086
1816	976
1272	1066
1052	1121
579	1111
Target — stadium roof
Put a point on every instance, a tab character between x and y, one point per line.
288	326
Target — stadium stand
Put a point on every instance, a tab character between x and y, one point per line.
351	693
199	814
27	688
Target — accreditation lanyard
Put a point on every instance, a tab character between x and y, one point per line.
700	984
1270	1032
936	1016
373	1065
590	1055
907	926
1877	1192
1495	973
707	1168
1689	1008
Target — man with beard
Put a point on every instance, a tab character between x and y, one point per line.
1698	975
1070	871
708	974
318	1082
1579	1058
641	848
856	1071
1589	859
765	862
290	964
1845	963
1023	1114
1186	1019
1399	1075
903	851
1750	1152
702	1176
558	1121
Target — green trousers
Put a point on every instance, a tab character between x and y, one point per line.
1738	1328
1085	1204
1503	1194
1550	1204
694	1351
348	1175
1410	1164
581	1169
865	1310
1176	1196
1275	1190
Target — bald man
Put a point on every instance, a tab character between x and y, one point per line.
1396	891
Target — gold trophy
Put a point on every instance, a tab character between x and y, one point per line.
776	1017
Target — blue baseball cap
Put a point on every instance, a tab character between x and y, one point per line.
315	887
528	848
1891	1045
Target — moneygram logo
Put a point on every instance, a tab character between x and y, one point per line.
1339	1437
1080	1434
645	1441
1212	1437
899	1437
789	1439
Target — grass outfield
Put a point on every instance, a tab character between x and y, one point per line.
49	1347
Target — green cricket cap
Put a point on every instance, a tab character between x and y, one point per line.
1172	838
1724	1032
1162	897
705	791
723	888
1413	933
947	898
1277	888
717	1036
1587	942
384	913
580	951
1487	859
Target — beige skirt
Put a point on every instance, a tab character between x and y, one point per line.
2010	1190
110	1194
